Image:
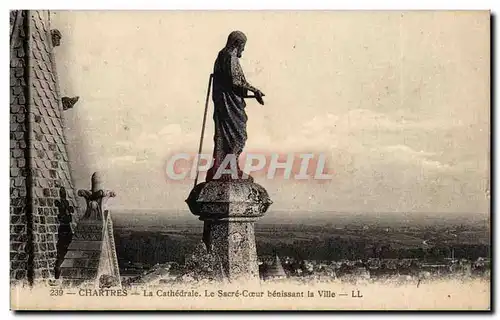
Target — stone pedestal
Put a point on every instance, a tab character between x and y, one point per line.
229	210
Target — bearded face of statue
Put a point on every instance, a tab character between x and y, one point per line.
240	49
236	41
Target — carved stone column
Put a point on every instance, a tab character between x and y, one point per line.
229	210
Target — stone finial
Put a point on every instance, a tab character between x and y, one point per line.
94	236
68	102
95	182
95	197
56	37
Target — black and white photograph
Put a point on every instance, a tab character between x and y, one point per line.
250	160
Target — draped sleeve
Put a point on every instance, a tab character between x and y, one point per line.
238	77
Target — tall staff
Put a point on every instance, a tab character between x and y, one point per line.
203	128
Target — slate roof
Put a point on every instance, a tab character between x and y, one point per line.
91	253
39	164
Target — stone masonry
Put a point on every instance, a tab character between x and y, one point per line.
39	166
91	257
229	210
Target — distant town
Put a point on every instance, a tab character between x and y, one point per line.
274	268
349	249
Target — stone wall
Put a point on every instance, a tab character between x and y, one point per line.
18	148
39	160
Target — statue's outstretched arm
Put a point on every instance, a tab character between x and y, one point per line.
239	77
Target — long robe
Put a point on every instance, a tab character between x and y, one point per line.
229	89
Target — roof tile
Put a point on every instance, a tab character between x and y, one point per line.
14	172
17	90
50	111
43	128
16	153
51	85
20	52
39	75
15	107
14	127
38	191
21	99
50	139
20	118
18	181
52	155
36	54
21	162
19	72
45	174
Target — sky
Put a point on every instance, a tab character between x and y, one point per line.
399	102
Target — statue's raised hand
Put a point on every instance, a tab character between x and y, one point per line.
258	96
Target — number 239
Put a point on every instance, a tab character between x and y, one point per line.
56	292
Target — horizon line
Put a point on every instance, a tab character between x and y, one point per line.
313	211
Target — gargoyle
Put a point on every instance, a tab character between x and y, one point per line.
56	37
68	102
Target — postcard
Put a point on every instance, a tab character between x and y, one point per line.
250	160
